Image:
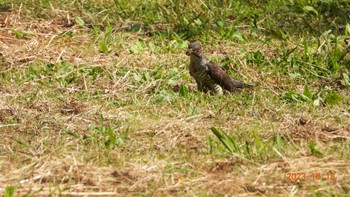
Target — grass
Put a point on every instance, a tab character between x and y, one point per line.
96	99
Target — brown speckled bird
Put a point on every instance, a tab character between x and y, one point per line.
208	75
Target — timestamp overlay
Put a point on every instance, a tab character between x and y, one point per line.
310	176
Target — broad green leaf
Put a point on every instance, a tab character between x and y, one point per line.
185	20
221	23
238	35
146	76
198	22
119	141
166	95
18	34
307	92
294	75
314	150
136	28
103	47
79	21
311	10
174	73
346	78
137	77
347	29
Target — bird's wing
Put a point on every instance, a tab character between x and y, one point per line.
219	75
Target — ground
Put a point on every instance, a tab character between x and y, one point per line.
96	99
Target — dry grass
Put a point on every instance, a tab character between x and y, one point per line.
53	131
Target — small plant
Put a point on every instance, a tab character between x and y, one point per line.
10	191
228	142
137	46
346	79
317	98
103	38
255	57
105	137
313	149
252	148
78	20
21	34
183	91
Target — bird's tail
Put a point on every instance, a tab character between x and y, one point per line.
239	84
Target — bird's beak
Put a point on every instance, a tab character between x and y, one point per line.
188	52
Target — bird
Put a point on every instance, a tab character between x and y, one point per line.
209	76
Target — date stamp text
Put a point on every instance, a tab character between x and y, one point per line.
314	176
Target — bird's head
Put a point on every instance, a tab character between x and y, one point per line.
194	48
